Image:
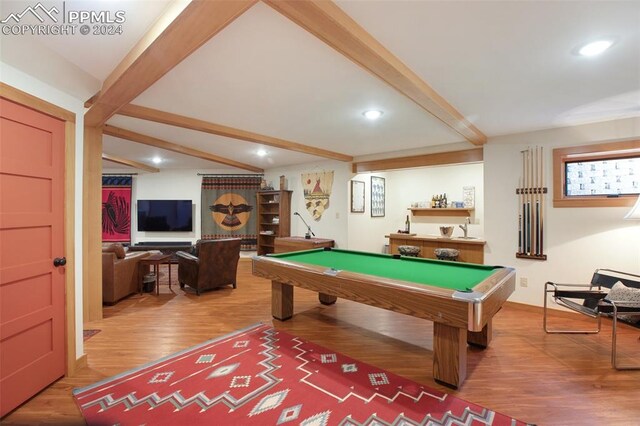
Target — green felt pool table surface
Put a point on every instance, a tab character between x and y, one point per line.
450	275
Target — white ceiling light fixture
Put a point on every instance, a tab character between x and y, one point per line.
156	160
595	48
261	153
372	114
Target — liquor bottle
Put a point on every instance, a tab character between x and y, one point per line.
407	225
433	202
444	200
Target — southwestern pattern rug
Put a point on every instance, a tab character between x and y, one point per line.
263	376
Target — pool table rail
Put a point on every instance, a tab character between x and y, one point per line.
457	320
498	288
418	300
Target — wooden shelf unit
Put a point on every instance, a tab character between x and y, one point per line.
463	211
272	204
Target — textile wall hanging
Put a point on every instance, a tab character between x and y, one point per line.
116	208
228	208
317	190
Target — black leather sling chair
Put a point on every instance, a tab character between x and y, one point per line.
596	300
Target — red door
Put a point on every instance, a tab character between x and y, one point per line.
32	311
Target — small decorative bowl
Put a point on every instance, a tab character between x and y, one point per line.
409	250
446	253
446	231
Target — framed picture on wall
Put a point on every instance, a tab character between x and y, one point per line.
377	196
357	196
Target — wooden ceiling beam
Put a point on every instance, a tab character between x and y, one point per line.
437	159
170	146
177	34
329	23
157	116
129	163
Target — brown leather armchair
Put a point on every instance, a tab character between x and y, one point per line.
120	277
214	265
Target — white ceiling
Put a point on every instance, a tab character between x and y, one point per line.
507	66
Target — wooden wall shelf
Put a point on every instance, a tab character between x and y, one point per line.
463	212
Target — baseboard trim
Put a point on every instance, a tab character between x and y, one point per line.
540	310
79	364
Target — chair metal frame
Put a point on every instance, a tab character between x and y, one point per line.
594	305
613	308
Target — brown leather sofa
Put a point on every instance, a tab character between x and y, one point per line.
120	277
214	264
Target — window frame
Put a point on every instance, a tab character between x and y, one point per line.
600	151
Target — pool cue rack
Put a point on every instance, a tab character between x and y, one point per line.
531	193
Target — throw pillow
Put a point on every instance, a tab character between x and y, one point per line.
115	248
621	293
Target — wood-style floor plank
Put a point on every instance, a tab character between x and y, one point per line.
525	373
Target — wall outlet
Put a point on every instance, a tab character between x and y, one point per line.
524	282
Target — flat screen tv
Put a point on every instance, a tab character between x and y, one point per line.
165	216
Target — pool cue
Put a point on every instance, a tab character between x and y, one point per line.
538	159
527	204
541	202
519	214
534	217
524	202
537	202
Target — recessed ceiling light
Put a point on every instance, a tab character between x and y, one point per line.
595	47
261	152
156	160
372	114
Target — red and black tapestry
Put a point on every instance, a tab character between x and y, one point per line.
228	208
116	208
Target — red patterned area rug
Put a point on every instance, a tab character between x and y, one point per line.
262	376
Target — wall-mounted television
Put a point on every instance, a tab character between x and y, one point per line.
165	216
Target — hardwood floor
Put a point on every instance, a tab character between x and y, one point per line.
525	373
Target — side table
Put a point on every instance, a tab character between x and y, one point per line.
155	260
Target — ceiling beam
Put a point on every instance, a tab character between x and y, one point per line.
474	155
89	102
129	163
170	146
329	23
157	116
177	34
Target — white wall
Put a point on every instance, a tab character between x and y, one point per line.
28	84
333	223
176	184
404	187
578	240
185	184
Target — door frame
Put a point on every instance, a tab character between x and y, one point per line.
18	96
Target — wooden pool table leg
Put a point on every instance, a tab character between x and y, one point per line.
326	299
449	355
481	338
281	300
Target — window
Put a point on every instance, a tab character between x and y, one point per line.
600	175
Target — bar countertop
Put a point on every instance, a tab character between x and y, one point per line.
458	240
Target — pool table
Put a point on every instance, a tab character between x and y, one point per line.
460	298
